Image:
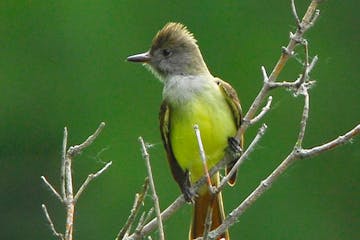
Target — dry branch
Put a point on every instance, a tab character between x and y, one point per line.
155	198
138	202
295	39
67	196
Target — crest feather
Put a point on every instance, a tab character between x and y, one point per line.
173	33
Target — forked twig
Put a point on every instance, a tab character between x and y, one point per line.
308	21
67	198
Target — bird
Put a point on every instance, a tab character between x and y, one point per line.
192	95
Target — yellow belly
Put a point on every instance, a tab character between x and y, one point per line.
216	123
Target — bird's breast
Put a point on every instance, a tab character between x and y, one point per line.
209	110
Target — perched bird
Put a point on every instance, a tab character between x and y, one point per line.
191	95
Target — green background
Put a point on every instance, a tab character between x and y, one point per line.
62	63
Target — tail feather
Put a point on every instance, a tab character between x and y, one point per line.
202	203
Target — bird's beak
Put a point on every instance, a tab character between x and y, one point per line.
142	57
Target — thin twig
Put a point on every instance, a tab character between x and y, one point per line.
304	117
314	151
264	110
167	213
313	63
315	17
203	156
141	224
139	200
51	224
74	150
142	221
152	187
294	12
89	178
52	189
264	73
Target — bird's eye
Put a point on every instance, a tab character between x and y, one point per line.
166	52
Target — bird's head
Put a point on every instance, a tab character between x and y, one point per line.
173	52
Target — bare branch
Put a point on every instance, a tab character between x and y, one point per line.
295	39
264	110
52	189
139	200
313	63
51	224
142	221
264	185
315	17
304	118
74	150
265	76
67	182
167	213
296	154
152	187
303	78
203	157
294	12
306	153
89	178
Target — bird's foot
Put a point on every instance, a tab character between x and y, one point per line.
234	147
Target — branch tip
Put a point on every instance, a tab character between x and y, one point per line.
265	76
52	189
51	224
77	149
89	178
294	12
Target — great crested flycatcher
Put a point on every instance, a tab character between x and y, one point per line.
191	95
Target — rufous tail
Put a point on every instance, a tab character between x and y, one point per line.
202	203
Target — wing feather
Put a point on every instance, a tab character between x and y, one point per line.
234	103
180	175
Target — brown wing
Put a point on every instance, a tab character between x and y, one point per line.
234	103
181	176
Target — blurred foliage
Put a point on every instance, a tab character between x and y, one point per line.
62	63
